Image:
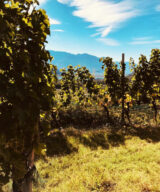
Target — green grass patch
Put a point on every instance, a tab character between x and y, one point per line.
100	161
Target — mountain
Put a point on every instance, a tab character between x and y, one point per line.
91	62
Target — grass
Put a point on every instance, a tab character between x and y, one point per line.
104	159
107	162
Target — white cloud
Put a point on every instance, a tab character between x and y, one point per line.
144	42
109	41
42	1
142	38
64	1
158	8
105	15
106	31
57	30
54	21
95	34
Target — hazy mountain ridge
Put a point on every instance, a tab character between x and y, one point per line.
91	62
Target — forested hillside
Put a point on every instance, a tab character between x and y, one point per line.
63	59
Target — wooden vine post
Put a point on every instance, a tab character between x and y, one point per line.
123	88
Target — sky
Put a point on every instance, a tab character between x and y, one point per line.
104	27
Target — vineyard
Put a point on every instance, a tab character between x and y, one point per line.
45	121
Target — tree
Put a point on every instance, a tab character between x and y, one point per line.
26	88
112	79
155	65
155	79
117	83
146	79
77	86
142	80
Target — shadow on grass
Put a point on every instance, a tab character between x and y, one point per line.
116	139
148	133
57	144
87	131
93	141
105	186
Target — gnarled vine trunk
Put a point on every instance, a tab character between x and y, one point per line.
25	184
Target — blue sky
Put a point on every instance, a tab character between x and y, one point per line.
104	27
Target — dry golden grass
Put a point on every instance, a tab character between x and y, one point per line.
103	162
